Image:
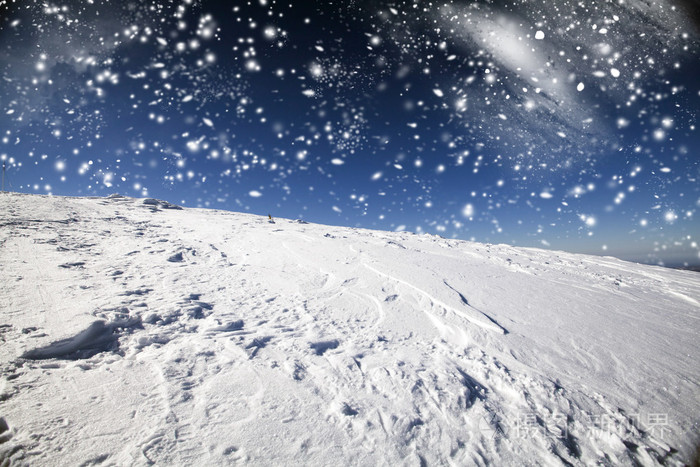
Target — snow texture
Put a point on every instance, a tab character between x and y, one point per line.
135	334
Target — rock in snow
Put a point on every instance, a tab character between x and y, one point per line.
205	337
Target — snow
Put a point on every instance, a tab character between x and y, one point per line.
137	332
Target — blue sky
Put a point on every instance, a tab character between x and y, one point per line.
497	122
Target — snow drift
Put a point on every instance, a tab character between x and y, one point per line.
137	332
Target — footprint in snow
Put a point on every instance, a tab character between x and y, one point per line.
5	432
77	264
296	369
230	326
322	347
176	258
257	344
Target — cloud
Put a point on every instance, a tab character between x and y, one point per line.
564	68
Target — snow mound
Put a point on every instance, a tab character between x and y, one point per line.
178	336
97	338
158	203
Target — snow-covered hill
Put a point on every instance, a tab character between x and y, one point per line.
136	332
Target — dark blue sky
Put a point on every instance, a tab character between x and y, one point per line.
566	125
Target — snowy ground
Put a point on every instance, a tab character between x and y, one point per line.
136	333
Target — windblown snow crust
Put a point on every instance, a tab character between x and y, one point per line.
135	332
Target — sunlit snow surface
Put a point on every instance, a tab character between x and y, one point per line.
135	332
379	114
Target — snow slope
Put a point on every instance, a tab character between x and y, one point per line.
135	332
